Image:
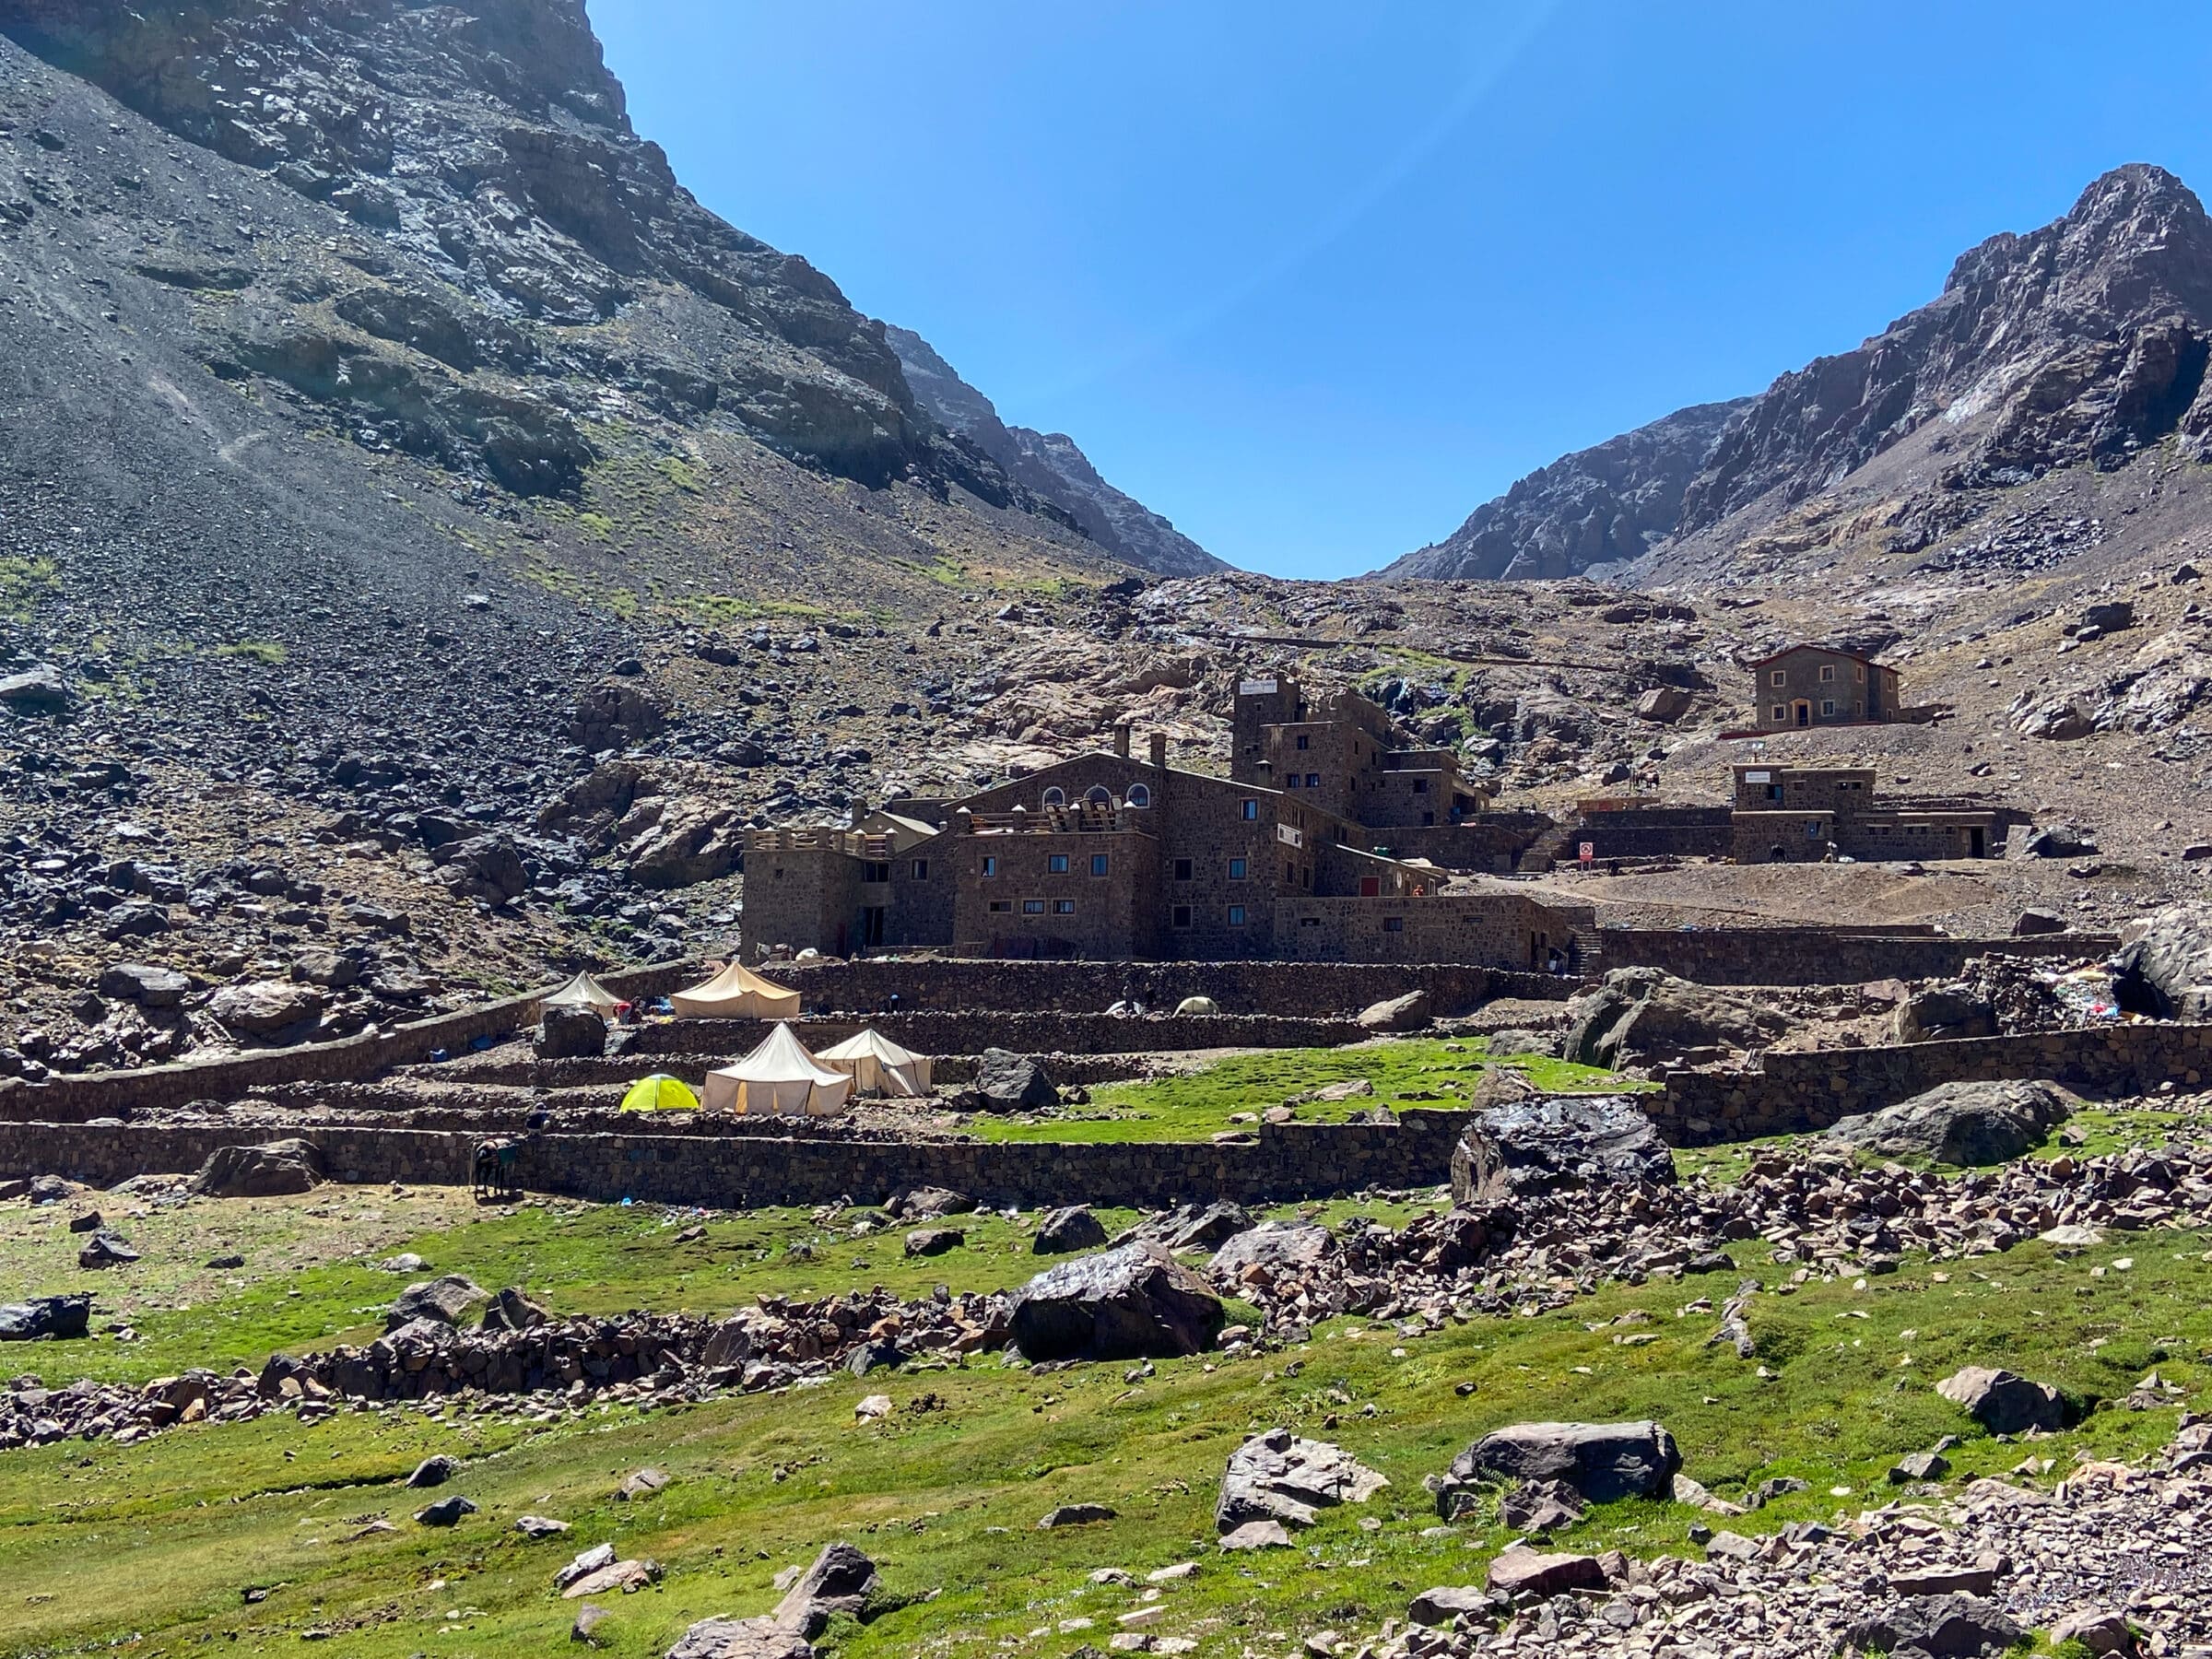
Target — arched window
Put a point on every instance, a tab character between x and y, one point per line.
1056	796
1139	796
1097	795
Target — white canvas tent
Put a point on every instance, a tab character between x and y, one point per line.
736	992
878	1065
779	1075
583	992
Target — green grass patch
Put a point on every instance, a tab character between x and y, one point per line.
160	1545
24	581
270	653
1413	1071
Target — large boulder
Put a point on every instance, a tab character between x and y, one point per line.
1064	1232
1943	1627
1206	1227
1940	1013
2166	967
1132	1303
741	1638
445	1301
36	690
565	1033
489	867
1604	1462
148	986
841	1579
1548	1142
1010	1082
1275	1476
2002	1403
1407	1013
1644	1014
61	1317
266	1007
1975	1123
282	1166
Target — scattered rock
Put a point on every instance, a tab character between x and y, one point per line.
107	1250
641	1483
934	1240
1519	1570
61	1317
2002	1403
1256	1535
1063	1231
445	1299
1009	1082
1604	1462
841	1579
1078	1514
741	1638
147	986
1944	1627
446	1511
1536	1506
1407	1013
434	1470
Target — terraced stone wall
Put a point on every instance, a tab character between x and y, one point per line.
1823	956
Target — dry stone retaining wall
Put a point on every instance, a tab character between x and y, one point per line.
1037	1033
1794	1093
1281	1162
1820	956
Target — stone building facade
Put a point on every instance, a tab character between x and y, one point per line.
1803	814
1104	856
1821	686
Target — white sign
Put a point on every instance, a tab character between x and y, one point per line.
1589	851
1256	687
1290	837
1759	777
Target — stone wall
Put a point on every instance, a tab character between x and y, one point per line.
1281	1162
1794	1093
1032	1033
1502	929
1821	956
1653	832
1306	990
157	1087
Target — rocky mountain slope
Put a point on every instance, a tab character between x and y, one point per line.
1050	465
1597	506
2082	344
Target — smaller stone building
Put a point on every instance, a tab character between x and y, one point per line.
1821	686
1805	814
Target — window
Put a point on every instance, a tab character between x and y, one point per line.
1420	786
1859	673
1032	906
1812	827
1779	678
1828	705
1251	812
1237	867
1179	916
1828	673
1313	780
1097	795
990	866
1393	924
920	869
1289	872
1780	712
1293	781
1235	915
1064	907
1138	796
1309	920
1183	869
1056	796
1305	741
1056	864
872	871
1098	863
1002	907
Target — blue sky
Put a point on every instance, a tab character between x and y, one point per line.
1316	279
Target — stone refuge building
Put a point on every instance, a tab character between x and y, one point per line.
1107	857
1821	686
1801	814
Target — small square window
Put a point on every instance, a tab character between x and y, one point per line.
1313	780
1064	907
1828	705
1420	786
1056	864
1305	741
1293	781
1098	863
1828	672
1393	924
1183	869
920	869
990	866
1235	915
1251	811
874	872
1781	676
1002	907
1032	906
1780	712
1237	867
1179	916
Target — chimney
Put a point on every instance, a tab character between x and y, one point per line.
1121	739
1159	751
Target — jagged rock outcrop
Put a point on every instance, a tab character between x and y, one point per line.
1611	501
